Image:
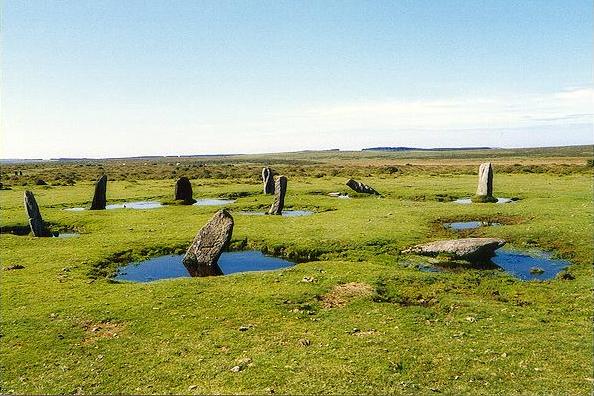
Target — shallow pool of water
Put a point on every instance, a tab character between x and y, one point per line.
286	213
213	202
466	201
75	209
523	263
468	225
171	266
66	235
135	205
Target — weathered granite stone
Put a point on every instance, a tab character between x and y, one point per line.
204	252
467	248
360	187
183	190
100	198
268	180
36	223
280	189
485	182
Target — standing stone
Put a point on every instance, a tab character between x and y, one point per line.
38	228
99	198
360	187
485	182
268	180
204	252
183	190
280	189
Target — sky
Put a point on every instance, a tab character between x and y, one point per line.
125	78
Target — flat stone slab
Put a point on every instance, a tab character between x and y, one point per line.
203	254
466	249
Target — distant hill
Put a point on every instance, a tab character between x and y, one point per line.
425	149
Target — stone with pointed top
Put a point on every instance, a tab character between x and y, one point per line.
183	190
203	254
360	187
268	180
280	189
36	223
100	198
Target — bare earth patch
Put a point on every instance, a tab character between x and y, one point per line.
342	294
97	331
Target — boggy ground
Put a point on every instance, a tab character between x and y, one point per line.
68	328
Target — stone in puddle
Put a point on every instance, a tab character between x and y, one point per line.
360	187
183	190
204	252
268	180
280	189
36	223
466	249
100	198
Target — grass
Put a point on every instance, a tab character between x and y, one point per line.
68	328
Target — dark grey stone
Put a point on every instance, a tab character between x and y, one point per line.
36	223
183	190
203	254
280	189
268	180
360	187
100	197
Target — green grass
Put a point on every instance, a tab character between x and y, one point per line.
480	332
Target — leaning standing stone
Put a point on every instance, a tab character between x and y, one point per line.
38	228
99	198
360	187
203	254
183	190
280	189
268	180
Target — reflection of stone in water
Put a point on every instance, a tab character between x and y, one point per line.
171	266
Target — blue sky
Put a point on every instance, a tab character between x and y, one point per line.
119	78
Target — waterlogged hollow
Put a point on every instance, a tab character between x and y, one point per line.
468	225
525	265
213	202
467	201
286	213
171	266
126	205
65	235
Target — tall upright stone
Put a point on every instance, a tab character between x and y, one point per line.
360	187
268	180
36	223
485	181
183	190
203	254
280	189
100	197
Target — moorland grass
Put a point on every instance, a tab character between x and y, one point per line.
68	328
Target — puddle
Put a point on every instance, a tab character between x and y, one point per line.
468	225
65	235
213	202
286	213
522	264
171	266
135	205
75	209
525	265
339	195
466	201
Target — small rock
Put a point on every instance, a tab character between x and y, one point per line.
13	267
470	319
308	279
536	270
244	328
235	369
304	342
192	387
